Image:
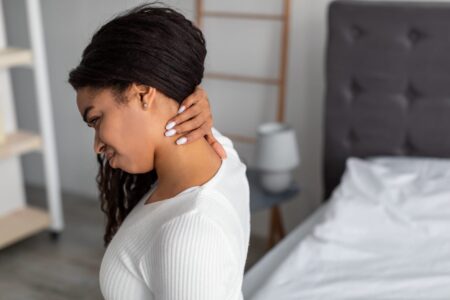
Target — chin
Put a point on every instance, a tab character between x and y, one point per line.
112	163
131	167
142	170
136	170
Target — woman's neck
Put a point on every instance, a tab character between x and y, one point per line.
182	166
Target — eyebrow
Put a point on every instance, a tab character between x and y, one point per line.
86	111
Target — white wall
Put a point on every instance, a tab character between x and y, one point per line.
236	107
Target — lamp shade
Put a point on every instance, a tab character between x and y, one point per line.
276	147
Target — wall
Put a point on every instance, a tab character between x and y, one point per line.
69	25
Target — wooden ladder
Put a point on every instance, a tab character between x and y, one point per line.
276	225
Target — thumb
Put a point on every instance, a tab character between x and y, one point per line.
216	145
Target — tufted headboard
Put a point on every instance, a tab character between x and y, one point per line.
387	82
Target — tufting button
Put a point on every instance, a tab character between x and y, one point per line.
411	93
408	147
399	152
355	88
352	136
414	36
404	101
346	144
356	32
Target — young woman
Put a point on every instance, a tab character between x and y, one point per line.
178	219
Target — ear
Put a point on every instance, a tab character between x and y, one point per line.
146	94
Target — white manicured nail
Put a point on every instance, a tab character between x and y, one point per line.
182	108
170	125
181	140
170	132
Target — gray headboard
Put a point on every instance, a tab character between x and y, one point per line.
387	82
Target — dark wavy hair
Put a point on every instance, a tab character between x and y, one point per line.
150	44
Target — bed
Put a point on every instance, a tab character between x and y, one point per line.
383	230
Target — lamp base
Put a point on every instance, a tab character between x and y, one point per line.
275	182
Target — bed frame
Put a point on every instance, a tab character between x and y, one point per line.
387	82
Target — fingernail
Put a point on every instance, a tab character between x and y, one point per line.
182	108
170	132
181	140
170	125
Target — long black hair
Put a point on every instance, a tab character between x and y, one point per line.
150	44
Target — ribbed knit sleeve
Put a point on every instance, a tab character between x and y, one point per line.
190	259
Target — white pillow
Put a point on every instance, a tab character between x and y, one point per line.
426	167
408	175
390	201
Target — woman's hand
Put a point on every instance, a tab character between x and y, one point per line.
194	118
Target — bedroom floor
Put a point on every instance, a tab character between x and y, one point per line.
41	269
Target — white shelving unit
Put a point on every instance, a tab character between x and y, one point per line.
19	220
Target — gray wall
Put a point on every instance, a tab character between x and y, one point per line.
68	26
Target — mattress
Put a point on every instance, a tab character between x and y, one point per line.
258	274
384	234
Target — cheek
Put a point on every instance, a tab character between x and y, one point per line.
133	132
109	132
135	144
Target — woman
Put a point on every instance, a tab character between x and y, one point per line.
178	217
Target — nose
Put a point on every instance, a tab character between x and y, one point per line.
99	146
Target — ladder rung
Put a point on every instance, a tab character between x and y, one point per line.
243	78
11	57
242	15
241	138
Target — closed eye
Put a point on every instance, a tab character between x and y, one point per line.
92	122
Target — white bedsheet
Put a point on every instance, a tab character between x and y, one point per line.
385	234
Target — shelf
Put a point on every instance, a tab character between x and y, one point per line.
22	223
13	57
20	142
24	220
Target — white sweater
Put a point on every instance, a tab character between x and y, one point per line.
189	247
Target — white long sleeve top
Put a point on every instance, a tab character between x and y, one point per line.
189	247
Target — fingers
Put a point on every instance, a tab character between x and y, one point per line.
194	124
197	134
199	95
192	112
219	150
194	118
193	135
216	145
195	105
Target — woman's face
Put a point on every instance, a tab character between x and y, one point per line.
126	130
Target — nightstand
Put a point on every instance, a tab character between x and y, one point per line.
261	200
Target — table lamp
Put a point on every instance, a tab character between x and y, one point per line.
277	154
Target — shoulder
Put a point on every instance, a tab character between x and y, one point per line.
190	255
192	230
197	222
209	223
206	229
